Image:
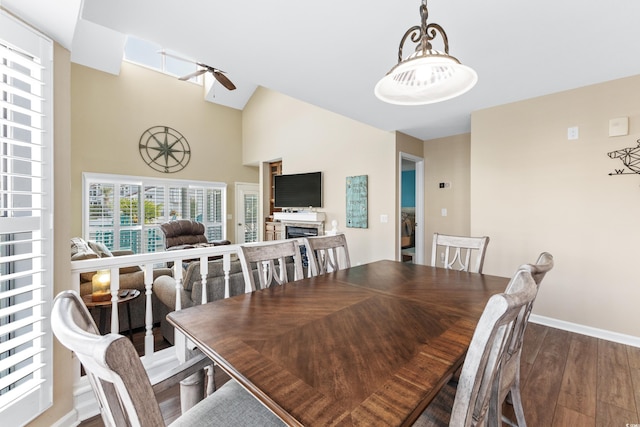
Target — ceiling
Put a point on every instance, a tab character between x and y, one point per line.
332	53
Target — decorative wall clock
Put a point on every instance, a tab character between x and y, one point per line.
164	149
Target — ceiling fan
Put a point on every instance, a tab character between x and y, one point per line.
218	74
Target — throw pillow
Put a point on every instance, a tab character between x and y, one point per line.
100	248
80	250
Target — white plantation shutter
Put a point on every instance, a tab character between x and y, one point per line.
26	187
125	212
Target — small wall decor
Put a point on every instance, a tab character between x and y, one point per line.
164	149
357	213
630	157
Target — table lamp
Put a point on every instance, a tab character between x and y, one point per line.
101	283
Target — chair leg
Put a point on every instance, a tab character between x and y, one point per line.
191	391
517	404
211	379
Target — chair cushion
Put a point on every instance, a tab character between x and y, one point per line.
231	405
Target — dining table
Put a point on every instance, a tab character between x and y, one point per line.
369	345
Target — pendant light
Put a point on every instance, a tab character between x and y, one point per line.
427	75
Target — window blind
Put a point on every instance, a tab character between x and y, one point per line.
26	270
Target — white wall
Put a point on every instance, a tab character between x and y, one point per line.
308	139
533	190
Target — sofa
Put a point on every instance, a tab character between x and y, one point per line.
164	288
130	278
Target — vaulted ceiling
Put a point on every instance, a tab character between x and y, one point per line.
332	53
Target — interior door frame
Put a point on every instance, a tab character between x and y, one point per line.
420	219
240	189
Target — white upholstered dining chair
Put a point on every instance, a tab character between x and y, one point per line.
327	253
126	395
284	253
510	377
475	398
459	252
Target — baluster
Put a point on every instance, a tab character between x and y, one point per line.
115	289
204	271
226	267
148	319
177	274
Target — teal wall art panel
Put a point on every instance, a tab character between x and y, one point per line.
357	191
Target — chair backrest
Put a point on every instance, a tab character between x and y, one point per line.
264	256
182	232
115	371
514	349
457	250
324	253
486	353
538	270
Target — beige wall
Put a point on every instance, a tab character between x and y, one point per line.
533	190
308	138
110	113
446	160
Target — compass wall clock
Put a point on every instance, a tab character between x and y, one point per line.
164	149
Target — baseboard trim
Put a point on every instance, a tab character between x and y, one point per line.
586	330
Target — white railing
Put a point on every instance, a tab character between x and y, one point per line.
154	361
147	262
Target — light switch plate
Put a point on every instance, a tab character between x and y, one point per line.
619	126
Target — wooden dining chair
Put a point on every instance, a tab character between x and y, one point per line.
264	257
455	252
510	378
327	253
475	398
125	393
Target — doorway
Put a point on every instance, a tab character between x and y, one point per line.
411	209
247	199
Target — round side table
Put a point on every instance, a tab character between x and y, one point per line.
125	296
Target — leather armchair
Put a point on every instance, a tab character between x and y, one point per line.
186	234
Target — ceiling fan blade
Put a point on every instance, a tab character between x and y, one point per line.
223	80
192	75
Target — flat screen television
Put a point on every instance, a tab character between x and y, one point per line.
302	190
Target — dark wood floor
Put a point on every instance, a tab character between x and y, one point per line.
568	380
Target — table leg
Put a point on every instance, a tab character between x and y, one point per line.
191	391
129	319
103	320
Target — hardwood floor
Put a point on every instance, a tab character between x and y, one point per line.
571	380
567	380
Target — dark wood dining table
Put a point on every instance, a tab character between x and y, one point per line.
369	345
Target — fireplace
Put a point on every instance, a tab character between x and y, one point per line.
295	231
299	230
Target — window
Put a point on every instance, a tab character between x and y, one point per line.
26	247
126	212
148	54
